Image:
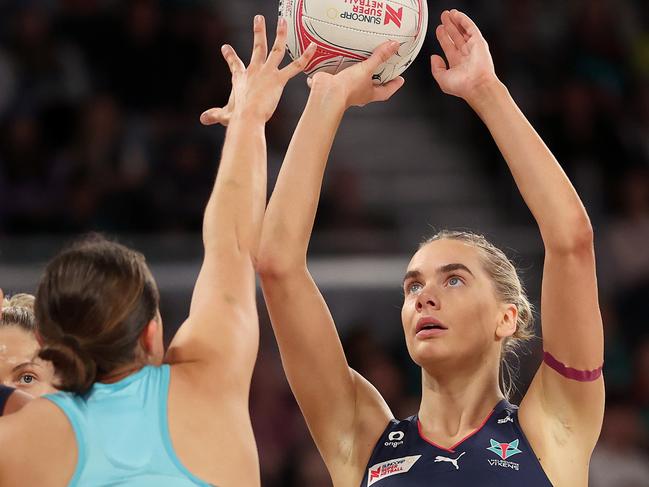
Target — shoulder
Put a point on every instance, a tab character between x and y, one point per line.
40	433
38	418
405	425
398	432
200	380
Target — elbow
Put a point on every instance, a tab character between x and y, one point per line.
576	238
278	255
267	268
271	267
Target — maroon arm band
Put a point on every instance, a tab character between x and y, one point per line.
569	372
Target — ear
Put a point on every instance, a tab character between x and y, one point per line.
148	336
507	322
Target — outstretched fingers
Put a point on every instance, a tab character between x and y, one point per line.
448	46
453	31
279	48
215	116
234	63
260	43
221	116
464	24
437	65
301	63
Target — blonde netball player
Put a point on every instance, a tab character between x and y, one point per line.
133	415
19	365
11	400
463	308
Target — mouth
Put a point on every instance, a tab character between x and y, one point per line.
429	326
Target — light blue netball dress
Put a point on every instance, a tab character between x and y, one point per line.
122	433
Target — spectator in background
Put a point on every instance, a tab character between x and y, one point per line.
624	257
619	459
640	386
628	233
25	178
20	367
308	469
47	69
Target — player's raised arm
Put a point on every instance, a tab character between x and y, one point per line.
344	413
568	386
222	329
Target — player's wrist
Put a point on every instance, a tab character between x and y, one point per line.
486	91
248	115
328	95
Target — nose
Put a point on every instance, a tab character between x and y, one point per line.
426	300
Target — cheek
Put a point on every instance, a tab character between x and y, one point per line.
487	322
475	316
406	311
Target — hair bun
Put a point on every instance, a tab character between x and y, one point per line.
75	369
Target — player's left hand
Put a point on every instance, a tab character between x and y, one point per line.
470	65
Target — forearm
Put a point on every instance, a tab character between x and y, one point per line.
235	210
290	215
546	189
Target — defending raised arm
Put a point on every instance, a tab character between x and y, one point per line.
222	328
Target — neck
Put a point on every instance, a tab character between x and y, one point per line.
120	373
456	403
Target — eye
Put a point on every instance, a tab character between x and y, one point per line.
414	287
454	281
27	379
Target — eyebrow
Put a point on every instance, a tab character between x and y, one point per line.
445	269
22	366
453	267
415	274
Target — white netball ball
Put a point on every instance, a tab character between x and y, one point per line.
347	31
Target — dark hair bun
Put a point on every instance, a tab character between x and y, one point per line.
75	369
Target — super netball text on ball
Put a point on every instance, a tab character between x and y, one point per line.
369	11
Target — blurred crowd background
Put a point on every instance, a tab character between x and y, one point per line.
99	106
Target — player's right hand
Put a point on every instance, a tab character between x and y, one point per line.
257	89
354	86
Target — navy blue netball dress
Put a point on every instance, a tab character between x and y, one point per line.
495	455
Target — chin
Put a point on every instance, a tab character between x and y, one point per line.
429	354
